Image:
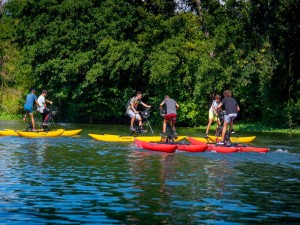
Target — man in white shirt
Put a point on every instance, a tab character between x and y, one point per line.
46	116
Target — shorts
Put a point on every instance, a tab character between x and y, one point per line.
170	117
230	117
28	109
46	111
132	114
212	116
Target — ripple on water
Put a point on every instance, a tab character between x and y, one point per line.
83	181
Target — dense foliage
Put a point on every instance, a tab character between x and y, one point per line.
93	55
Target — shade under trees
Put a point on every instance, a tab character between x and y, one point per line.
93	55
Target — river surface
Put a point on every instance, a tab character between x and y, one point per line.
78	180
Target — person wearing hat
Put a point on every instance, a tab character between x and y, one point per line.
31	99
46	116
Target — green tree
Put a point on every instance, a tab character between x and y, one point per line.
93	55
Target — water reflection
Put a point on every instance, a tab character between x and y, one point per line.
83	181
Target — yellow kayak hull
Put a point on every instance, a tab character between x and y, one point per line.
201	139
69	133
40	134
8	133
112	138
235	139
66	133
118	138
156	138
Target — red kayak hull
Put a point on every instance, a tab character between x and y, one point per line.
192	148
195	142
169	148
254	149
223	149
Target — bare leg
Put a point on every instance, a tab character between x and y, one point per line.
164	126
32	120
224	130
208	126
132	121
174	128
24	118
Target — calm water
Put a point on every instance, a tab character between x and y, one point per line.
79	180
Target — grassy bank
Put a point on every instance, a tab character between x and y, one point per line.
251	127
258	127
263	128
10	116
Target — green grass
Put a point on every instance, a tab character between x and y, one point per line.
10	116
251	127
263	128
257	127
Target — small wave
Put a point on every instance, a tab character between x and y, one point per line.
282	151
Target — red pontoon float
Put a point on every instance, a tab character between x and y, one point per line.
159	147
192	148
253	149
223	149
196	142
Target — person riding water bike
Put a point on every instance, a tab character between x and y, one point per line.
132	112
46	115
170	115
231	109
213	113
28	107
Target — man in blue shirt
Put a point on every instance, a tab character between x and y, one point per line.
31	99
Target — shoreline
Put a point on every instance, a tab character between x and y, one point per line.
240	127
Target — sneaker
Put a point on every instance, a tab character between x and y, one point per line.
221	143
175	134
45	124
232	131
143	131
163	135
132	129
33	129
206	136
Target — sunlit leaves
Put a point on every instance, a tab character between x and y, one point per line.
93	55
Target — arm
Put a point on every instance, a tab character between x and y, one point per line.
215	111
162	111
145	105
214	107
177	106
220	106
133	109
238	108
49	101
